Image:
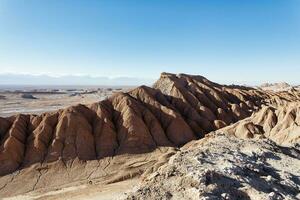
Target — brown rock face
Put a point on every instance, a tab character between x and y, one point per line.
178	109
281	124
13	148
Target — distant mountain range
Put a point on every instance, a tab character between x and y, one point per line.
26	79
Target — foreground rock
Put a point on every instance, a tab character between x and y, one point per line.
225	167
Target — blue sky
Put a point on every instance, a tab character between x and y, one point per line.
249	41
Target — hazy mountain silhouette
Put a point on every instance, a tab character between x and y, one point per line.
27	79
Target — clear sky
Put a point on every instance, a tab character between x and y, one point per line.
241	41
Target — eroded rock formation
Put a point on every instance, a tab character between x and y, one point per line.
176	110
281	124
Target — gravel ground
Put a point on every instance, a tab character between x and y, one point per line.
224	167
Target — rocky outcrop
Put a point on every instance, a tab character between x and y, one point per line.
176	110
283	86
281	124
224	167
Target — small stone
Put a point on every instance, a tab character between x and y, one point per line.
269	178
225	196
274	196
204	198
152	176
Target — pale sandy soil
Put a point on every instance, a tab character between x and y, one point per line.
89	192
107	178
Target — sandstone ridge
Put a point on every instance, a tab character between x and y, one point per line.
177	109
